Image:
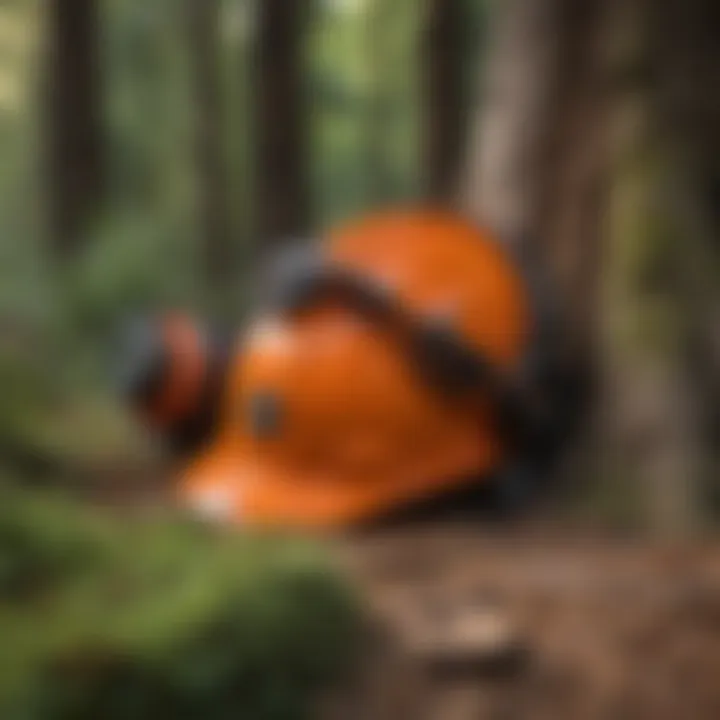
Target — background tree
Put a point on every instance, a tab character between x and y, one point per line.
574	151
501	180
203	18
533	172
378	105
74	137
282	188
443	72
660	262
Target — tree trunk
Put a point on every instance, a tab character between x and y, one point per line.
571	166
571	191
204	23
281	173
656	268
536	172
73	127
500	187
685	43
536	168
443	61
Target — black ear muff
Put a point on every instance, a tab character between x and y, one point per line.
172	375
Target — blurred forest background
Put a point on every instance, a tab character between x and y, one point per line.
154	153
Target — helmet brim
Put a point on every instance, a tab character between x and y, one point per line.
230	485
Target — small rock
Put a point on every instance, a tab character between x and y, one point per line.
476	641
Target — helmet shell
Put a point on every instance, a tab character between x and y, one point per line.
329	420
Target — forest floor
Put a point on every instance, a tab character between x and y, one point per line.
525	622
535	623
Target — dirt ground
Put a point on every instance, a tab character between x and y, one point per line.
531	622
533	625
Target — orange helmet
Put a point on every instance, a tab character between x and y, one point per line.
384	373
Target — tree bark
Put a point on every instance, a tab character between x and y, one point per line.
655	443
203	24
445	105
500	188
536	168
571	179
685	43
589	156
73	125
281	172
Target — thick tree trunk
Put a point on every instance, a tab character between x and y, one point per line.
571	177
203	18
443	61
536	168
281	173
656	447
73	126
536	172
569	130
685	43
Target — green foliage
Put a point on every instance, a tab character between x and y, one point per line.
58	417
363	83
165	619
120	274
42	543
143	248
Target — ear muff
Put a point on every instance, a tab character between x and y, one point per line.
172	375
165	361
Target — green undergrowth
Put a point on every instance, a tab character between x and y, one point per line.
135	619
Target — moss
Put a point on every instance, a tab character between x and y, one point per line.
102	619
645	318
